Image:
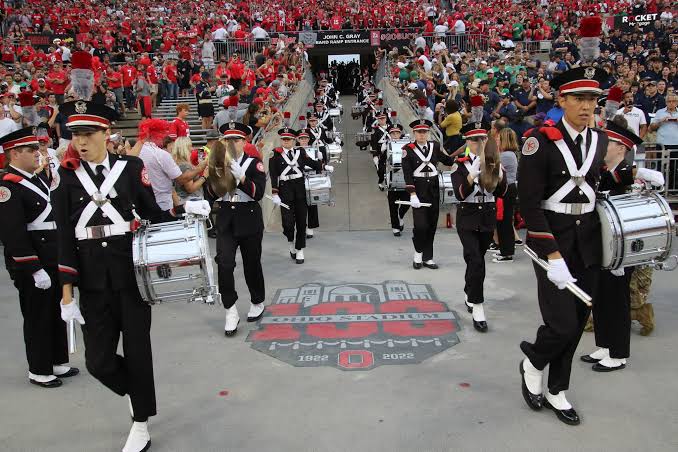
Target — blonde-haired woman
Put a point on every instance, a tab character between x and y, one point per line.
508	145
181	151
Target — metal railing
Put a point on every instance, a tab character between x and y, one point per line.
658	158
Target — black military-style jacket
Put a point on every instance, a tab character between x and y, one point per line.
616	180
97	264
244	219
541	172
378	133
474	213
277	164
25	251
318	137
426	188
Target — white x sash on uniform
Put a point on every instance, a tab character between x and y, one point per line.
39	224
577	175
102	193
426	161
292	164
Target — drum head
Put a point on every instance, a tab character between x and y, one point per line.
611	235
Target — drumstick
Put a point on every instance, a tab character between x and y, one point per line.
572	287
70	335
408	203
282	204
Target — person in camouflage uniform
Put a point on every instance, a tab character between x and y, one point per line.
641	310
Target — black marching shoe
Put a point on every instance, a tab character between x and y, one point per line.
416	265
534	401
430	264
570	417
299	257
47	384
597	367
73	371
480	326
589	359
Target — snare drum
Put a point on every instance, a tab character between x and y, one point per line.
357	111
313	154
172	262
394	152
318	189
335	112
362	139
395	179
334	152
637	229
447	197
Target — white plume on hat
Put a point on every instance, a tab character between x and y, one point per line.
82	76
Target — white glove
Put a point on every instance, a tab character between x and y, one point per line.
276	200
474	171
70	312
329	168
414	202
618	272
375	159
559	274
651	176
197	207
237	170
42	280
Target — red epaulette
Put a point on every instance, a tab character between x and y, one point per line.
409	146
528	132
278	150
551	133
12	178
252	151
71	164
463	159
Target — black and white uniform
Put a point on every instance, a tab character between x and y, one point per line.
476	220
240	224
396	211
557	183
95	253
29	236
421	177
287	181
379	138
317	138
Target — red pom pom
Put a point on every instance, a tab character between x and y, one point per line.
81	60
154	130
591	27
477	101
421	101
26	99
302	118
616	94
394	114
287	115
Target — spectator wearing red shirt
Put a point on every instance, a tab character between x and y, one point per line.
58	81
129	77
115	84
237	69
170	74
179	126
152	76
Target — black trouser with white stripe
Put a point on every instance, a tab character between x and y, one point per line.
108	314
44	331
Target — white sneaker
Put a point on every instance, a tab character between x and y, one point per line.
139	439
232	321
558	401
255	312
300	256
533	377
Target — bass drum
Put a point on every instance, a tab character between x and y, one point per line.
172	262
447	197
637	229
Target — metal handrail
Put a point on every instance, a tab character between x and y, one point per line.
657	157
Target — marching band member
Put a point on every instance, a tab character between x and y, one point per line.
611	310
420	160
29	235
379	137
477	179
93	208
558	173
304	140
287	185
396	211
317	135
240	224
324	118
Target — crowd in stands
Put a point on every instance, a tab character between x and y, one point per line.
145	50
